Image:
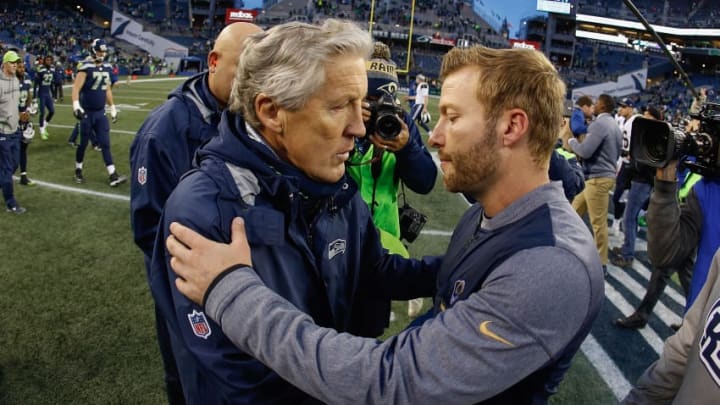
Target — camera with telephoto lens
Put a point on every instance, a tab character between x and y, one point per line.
656	143
384	117
412	222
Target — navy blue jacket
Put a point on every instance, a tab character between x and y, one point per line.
313	243
569	172
577	122
162	152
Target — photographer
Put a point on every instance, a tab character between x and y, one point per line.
675	230
391	152
642	179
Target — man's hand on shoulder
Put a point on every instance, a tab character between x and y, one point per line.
198	260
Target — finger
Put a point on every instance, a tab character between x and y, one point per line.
176	248
185	235
376	141
188	290
239	239
177	266
239	236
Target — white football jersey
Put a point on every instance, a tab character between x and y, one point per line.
422	92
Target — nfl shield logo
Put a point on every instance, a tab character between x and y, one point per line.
199	324
142	176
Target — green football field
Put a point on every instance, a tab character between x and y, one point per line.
76	316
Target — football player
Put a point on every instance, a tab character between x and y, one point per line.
58	80
25	126
419	110
44	77
72	140
91	91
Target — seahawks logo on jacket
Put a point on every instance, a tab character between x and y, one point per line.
336	247
710	343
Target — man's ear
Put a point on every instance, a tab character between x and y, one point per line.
515	126
212	61
269	113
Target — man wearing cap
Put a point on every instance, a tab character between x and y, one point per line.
9	118
626	117
639	179
379	163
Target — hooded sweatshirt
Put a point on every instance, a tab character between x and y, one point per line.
9	99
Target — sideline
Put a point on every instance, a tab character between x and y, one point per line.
126	198
55	186
119	131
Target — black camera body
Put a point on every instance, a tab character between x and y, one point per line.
412	222
385	117
656	143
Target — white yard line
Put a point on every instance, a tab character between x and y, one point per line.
120	110
606	367
617	300
119	131
55	186
661	310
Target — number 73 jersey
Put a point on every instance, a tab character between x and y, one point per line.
93	93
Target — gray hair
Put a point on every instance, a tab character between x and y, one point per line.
287	62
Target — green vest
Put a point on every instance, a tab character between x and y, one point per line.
567	155
384	205
687	185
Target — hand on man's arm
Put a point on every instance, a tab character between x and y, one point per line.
199	261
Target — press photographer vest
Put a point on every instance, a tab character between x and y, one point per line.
380	190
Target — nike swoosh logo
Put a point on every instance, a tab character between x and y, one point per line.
492	335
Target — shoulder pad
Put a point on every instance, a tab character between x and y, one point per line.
85	65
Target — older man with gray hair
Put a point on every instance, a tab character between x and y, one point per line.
294	113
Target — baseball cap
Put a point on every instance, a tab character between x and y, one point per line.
11	56
627	102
